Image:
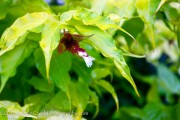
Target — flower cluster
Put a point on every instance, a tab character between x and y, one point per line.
70	42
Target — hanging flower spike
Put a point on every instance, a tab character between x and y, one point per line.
70	42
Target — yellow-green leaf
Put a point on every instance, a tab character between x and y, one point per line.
50	40
20	28
146	10
104	43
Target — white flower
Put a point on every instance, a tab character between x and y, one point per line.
82	53
88	59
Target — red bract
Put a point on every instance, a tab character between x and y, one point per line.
70	42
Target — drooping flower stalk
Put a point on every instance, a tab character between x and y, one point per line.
70	42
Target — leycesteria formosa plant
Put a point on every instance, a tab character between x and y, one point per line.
70	42
44	28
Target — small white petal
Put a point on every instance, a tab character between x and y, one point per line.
89	60
82	54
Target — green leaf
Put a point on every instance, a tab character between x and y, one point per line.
129	113
40	62
178	35
134	112
158	111
66	16
100	73
40	84
35	5
106	85
146	10
95	100
154	111
135	26
123	8
38	102
15	111
88	17
19	29
153	95
80	96
59	102
50	40
98	6
4	5
160	5
60	66
126	8
115	18
172	13
3	113
15	56
104	43
126	53
81	69
21	7
167	80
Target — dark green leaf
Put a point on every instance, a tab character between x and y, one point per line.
37	102
178	35
94	100
172	14
59	102
4	5
134	26
40	62
154	111
157	111
134	112
15	56
153	95
60	66
106	85
167	80
81	70
40	84
160	5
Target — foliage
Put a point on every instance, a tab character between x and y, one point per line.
61	86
